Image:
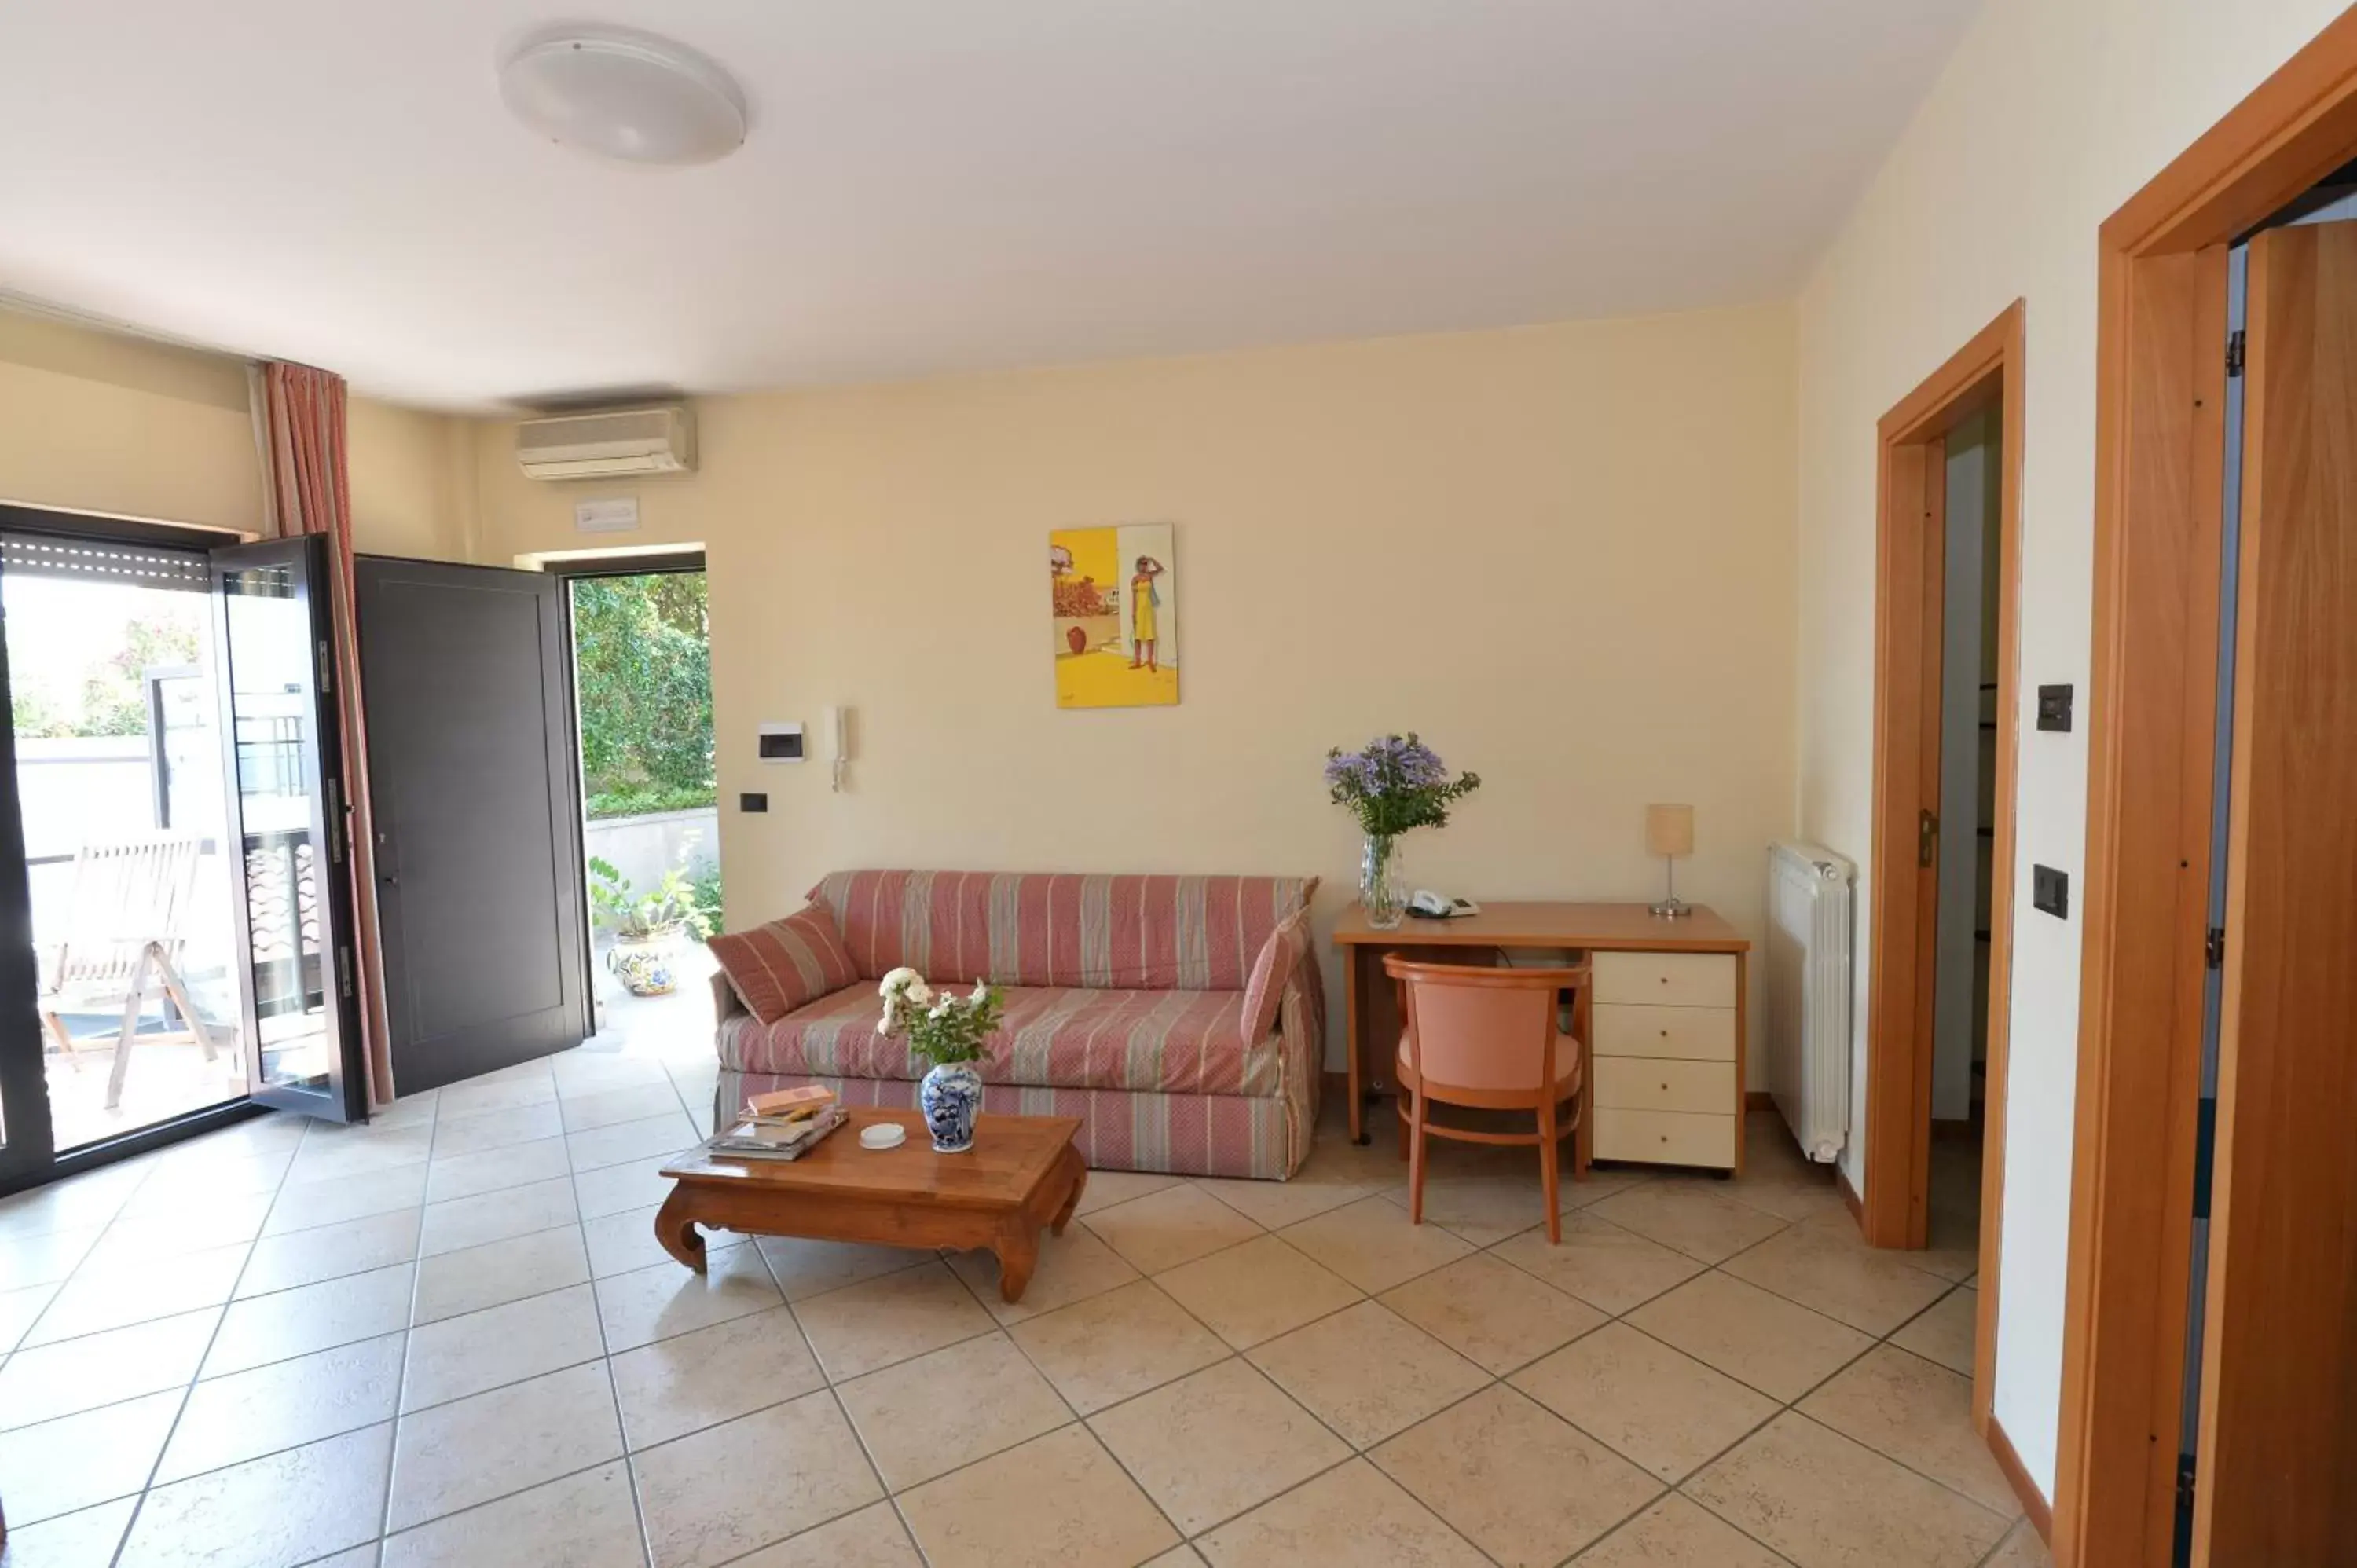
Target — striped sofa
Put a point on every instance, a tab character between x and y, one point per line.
1180	1017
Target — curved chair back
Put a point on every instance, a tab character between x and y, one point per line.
1486	1029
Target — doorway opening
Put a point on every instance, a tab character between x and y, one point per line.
1946	736
641	649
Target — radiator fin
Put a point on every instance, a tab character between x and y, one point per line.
1809	892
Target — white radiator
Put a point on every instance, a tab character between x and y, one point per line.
1809	992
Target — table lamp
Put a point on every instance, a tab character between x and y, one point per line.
1668	832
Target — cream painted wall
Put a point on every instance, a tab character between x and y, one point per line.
1565	555
2051	113
413	478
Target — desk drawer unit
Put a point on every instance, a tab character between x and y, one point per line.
1665	1057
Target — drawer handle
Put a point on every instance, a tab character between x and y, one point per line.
1665	1137
1665	1033
1666	979
1665	1088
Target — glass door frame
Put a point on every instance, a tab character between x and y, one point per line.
30	1158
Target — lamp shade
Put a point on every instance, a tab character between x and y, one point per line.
1669	831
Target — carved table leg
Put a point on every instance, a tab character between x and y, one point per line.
1080	1172
1017	1247
675	1228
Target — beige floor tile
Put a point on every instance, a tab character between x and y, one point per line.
1072	1267
2021	1548
620	1242
877	1322
1907	1408
1676	1533
1487	1208
331	1251
626	1142
1367	1372
925	1417
1351	1516
667	1298
495	1216
585	1072
1371	1243
329	1155
1696	1218
117	1292
1944	1331
196	1225
692	1381
468	1279
728	1490
1106	1188
84	1540
1272	1204
1823	1500
1519	1484
1174	1226
18	1308
77	1461
1492	1312
267	1513
1111	1346
610	1106
805	1268
358	1557
46	1257
473	1450
1181	1556
285	1405
1781	1349
495	1170
1217	1442
478	1096
1783	1183
496	1128
500	1345
1610	1269
872	1538
1257	1291
1059	1501
1658	1406
307	1208
1826	1265
82	1374
609	1189
584	1520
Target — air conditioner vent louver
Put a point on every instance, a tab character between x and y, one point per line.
601	446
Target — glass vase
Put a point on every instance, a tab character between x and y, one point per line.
1382	881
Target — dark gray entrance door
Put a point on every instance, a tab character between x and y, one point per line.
474	788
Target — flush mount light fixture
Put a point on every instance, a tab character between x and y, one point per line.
623	94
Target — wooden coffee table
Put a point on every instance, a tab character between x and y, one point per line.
1022	1173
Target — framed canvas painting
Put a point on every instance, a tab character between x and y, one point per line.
1114	594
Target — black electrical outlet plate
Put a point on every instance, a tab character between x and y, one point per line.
2050	890
752	802
2054	708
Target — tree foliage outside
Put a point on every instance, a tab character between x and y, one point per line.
643	662
107	696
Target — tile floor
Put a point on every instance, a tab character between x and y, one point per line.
449	1338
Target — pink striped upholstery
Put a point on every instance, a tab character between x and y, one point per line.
1127	1006
1145	933
781	966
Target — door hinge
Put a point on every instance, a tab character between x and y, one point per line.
2213	948
327	668
2185	1474
1927	837
344	972
2235	352
335	817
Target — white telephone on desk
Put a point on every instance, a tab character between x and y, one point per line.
1426	905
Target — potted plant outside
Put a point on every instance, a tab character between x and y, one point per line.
647	927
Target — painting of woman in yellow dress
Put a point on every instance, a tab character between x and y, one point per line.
1113	597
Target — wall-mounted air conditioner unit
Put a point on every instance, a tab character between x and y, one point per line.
604	445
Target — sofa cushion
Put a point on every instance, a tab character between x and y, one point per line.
785	964
1266	991
1146	933
1174	1042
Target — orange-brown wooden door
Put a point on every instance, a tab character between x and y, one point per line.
2277	1452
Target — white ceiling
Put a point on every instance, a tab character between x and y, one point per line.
933	185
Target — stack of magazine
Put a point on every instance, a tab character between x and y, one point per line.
780	1131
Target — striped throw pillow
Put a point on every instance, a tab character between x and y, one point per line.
785	964
1265	992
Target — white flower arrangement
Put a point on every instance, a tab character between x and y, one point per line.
939	1026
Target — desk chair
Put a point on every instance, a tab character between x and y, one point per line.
1487	1038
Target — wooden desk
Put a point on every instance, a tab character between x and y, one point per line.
1617	990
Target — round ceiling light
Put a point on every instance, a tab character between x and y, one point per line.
623	94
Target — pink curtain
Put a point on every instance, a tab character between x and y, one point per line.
309	490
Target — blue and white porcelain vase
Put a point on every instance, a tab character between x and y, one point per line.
950	1097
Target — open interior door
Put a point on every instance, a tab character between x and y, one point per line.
284	755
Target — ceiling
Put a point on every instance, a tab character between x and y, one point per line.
932	185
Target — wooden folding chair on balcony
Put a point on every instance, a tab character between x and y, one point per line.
125	930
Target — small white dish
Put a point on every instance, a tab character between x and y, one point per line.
883	1136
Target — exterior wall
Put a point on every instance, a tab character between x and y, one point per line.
643	848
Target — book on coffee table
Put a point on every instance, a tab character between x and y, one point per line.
762	1139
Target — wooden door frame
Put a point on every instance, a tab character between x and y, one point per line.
1894	1212
2159	472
